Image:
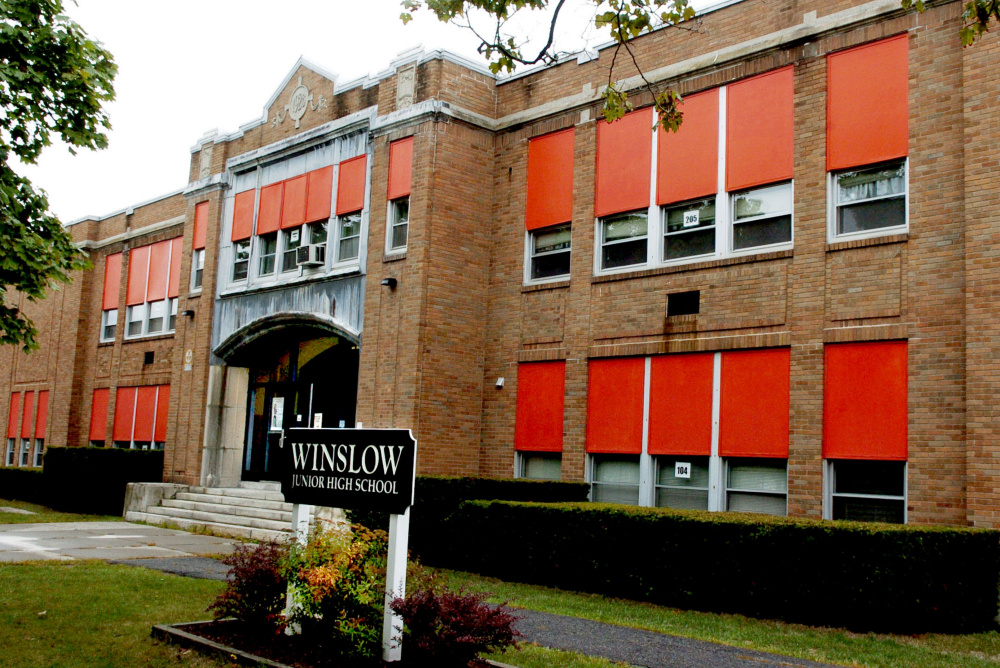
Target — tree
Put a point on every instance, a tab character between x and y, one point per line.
53	81
627	19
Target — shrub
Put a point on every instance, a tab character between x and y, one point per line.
867	577
256	591
448	629
437	497
22	485
93	480
338	583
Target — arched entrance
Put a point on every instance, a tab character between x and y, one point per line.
300	375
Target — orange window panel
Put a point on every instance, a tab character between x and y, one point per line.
540	390
319	195
124	414
200	225
99	415
243	215
293	202
351	185
138	271
624	154
687	161
12	413
112	281
614	405
753	420
400	168
550	180
145	413
269	209
162	404
867	104
680	404
42	414
26	424
159	271
174	278
865	409
759	130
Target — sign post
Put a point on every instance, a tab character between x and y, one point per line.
356	469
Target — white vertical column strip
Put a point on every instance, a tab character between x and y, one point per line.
645	461
716	484
653	233
135	407
156	409
723	229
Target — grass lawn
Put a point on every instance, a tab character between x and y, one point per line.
818	644
99	615
43	514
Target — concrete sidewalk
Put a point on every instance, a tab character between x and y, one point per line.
66	541
634	647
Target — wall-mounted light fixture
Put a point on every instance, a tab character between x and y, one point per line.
500	382
391	282
188	312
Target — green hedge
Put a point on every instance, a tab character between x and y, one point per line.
866	577
22	485
437	497
93	480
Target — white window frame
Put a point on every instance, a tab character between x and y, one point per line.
39	452
285	244
657	461
356	260
829	482
520	462
24	453
9	457
832	204
197	269
530	255
599	244
257	256
392	222
768	248
662	213
742	490
235	248
109	318
146	308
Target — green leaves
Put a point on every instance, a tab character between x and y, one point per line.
53	81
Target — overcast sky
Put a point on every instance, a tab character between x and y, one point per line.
188	66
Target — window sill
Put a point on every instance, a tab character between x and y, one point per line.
104	344
287	281
902	237
395	256
537	287
194	294
148	337
694	266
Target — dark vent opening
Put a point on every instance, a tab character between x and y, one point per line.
683	303
147	358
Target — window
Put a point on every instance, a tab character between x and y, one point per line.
615	479
869	199
109	322
762	217
540	465
241	260
867	491
757	486
153	281
682	482
689	229
197	268
623	240
318	234
549	252
293	239
399	223
348	236
25	451
39	451
172	319
268	247
9	459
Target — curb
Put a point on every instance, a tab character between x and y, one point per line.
170	633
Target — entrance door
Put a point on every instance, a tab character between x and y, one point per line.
297	382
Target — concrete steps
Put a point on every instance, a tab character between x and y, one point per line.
251	511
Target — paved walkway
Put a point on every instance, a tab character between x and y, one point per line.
66	541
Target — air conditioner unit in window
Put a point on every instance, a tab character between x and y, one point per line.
312	255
